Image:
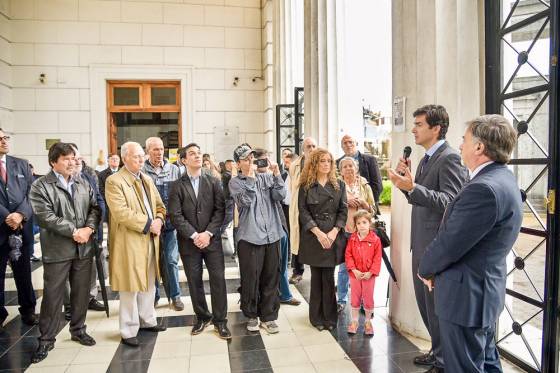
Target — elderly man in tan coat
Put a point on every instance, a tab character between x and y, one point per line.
137	215
309	144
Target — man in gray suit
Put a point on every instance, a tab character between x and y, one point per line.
439	177
467	259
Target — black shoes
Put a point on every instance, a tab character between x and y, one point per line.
95	305
222	331
155	328
426	359
84	339
30	319
132	342
199	326
434	369
41	352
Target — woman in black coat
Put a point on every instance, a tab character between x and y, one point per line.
322	217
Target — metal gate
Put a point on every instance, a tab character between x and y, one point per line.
522	83
286	130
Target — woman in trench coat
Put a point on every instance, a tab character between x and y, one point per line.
322	217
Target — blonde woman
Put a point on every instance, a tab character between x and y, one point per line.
359	197
322	217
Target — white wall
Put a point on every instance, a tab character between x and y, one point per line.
219	39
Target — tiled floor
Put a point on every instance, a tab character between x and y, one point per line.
297	348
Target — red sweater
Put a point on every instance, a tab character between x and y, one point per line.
365	255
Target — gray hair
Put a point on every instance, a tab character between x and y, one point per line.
346	159
151	140
496	133
127	146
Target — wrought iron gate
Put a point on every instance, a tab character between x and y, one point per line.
286	130
522	83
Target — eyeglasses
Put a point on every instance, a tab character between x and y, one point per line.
5	138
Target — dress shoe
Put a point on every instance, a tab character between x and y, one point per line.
295	279
199	326
177	304
156	328
30	319
41	352
222	331
291	302
426	359
434	369
84	339
95	305
132	342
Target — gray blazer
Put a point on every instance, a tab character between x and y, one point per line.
442	178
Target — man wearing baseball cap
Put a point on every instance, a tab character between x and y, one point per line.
258	238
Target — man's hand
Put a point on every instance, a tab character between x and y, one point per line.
202	240
403	165
14	220
429	283
273	166
358	274
251	171
402	182
82	235
156	226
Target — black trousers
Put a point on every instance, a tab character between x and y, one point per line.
259	268
214	260
469	350
427	308
22	277
297	266
322	298
78	271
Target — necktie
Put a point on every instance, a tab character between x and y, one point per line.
3	174
424	162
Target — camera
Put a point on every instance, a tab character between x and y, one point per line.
261	163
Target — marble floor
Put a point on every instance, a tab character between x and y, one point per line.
297	348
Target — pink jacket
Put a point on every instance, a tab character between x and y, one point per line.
365	255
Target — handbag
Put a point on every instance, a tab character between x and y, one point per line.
339	245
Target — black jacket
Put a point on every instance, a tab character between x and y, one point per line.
325	208
13	198
58	214
370	170
190	214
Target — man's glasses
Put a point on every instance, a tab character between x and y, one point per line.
5	138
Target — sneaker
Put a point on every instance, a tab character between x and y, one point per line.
270	327
353	327
295	279
340	307
253	325
368	328
177	304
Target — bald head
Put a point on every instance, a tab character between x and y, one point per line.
309	144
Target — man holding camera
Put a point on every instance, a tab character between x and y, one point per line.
258	237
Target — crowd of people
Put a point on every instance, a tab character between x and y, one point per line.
313	208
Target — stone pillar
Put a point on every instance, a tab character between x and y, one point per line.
323	70
437	58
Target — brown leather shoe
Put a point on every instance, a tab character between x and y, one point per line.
291	302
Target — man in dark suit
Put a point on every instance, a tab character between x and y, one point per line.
196	209
368	165
466	262
114	162
439	177
16	218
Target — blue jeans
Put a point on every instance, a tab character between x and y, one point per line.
285	293
342	284
171	251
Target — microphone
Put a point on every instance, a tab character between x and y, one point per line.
406	154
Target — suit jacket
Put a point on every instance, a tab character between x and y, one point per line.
468	255
103	175
191	214
370	171
14	198
442	178
129	229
